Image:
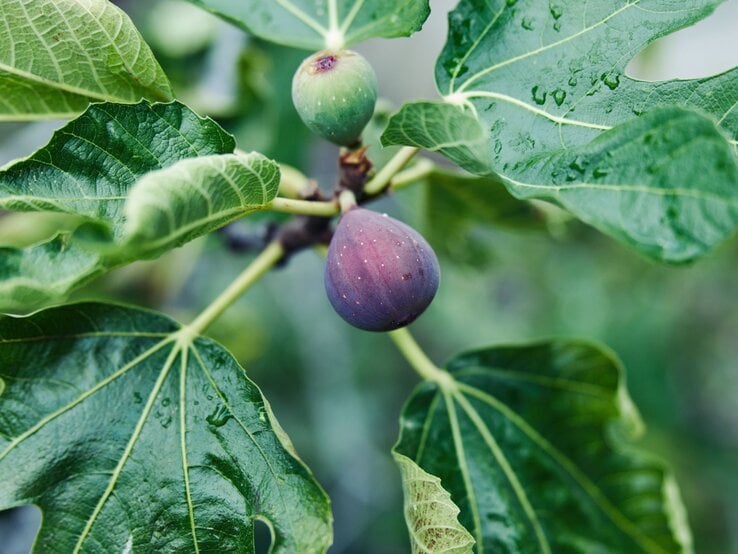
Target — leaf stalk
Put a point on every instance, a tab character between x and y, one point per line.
266	260
383	179
419	360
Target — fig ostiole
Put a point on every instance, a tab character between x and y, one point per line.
380	274
334	92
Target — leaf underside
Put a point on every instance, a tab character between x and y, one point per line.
528	441
319	24
536	93
131	435
430	513
145	178
57	56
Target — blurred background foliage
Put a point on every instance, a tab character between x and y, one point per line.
531	273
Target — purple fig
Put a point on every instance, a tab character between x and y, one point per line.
380	274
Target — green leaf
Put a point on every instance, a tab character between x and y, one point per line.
318	24
529	441
456	204
169	207
57	56
529	87
133	435
431	515
145	178
45	272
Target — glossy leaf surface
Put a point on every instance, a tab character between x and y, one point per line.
529	442
131	434
57	56
536	93
319	24
145	178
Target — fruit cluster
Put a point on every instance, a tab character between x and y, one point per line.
380	274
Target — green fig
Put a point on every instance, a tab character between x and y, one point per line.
334	92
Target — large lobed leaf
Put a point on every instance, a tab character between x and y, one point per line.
318	24
457	203
57	56
536	93
146	179
528	441
132	435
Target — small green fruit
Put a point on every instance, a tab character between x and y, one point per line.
334	92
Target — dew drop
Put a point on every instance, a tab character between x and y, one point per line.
539	95
527	24
137	398
578	164
612	80
219	416
573	82
165	402
559	96
556	10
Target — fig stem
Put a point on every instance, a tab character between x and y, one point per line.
293	183
266	260
303	207
422	169
419	360
383	178
347	200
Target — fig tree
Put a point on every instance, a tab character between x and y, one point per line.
334	92
380	274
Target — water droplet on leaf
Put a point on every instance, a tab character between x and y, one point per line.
219	416
539	95
578	164
612	80
559	96
527	24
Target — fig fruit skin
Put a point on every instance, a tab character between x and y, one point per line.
335	92
380	274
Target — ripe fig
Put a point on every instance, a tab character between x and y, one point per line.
380	274
334	92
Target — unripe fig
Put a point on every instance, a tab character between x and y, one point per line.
380	274
334	92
